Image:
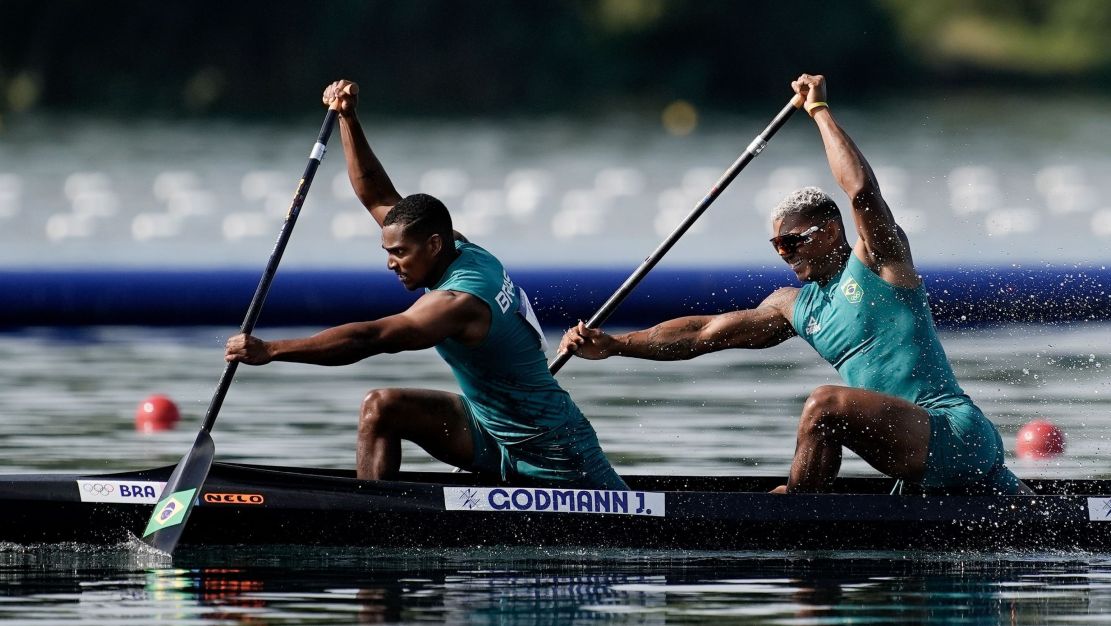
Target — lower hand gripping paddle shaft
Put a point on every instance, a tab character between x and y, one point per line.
172	511
756	147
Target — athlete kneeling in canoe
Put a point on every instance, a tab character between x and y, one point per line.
512	420
864	309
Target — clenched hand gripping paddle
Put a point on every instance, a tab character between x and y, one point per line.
172	511
756	147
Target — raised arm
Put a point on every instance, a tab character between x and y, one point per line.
368	178
434	317
687	337
882	244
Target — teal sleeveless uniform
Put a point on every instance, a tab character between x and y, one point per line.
525	426
882	337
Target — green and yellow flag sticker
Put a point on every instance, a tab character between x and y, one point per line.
851	289
171	511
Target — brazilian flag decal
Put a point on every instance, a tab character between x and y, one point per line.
170	511
851	289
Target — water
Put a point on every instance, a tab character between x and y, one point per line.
62	585
69	396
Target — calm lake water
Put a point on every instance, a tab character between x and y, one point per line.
69	396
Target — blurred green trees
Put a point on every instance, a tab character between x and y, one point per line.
1047	38
499	56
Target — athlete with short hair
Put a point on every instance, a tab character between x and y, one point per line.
512	420
863	308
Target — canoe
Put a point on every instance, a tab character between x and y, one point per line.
244	504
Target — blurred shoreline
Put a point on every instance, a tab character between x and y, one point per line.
973	186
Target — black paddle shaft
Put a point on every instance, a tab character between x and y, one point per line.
167	523
255	308
756	147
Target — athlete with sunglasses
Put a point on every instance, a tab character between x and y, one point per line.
863	308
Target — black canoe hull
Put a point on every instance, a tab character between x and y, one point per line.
258	505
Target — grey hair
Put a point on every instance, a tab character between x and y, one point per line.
808	201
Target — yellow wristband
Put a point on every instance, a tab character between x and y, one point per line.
810	106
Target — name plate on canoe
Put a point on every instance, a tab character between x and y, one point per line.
539	500
121	491
1099	509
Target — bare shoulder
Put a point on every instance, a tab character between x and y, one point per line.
446	301
465	313
441	314
898	271
782	300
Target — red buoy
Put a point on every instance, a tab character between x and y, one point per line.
156	413
1039	440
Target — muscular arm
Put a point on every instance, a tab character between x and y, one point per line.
349	343
875	223
368	178
433	318
687	337
372	185
882	244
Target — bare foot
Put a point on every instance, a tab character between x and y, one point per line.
779	489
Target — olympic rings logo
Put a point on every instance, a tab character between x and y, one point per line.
101	489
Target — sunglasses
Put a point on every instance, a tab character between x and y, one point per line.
790	242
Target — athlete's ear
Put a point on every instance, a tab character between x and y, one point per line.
435	244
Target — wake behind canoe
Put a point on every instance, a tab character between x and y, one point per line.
266	505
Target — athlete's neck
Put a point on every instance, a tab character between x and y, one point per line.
837	261
443	262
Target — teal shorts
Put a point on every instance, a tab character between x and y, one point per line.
966	454
568	455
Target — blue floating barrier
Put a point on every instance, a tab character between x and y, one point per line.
561	296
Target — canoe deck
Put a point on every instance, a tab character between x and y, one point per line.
264	505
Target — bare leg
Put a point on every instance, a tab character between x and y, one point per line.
434	420
891	434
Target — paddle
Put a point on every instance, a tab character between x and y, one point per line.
756	147
176	503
